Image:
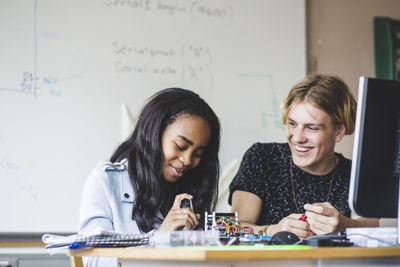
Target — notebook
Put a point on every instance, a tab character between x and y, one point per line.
98	239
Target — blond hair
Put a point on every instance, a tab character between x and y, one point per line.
329	93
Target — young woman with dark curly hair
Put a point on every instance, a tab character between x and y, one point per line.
172	154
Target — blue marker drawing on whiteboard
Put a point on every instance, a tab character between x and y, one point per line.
6	165
32	82
273	115
17	173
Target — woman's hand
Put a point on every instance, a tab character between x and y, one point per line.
178	218
291	224
324	218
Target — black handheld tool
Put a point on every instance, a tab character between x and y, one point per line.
186	203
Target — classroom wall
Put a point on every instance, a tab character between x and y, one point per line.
340	41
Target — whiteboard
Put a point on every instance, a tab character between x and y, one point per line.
67	66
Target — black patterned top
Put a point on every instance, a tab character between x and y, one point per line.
265	172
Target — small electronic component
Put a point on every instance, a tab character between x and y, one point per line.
254	239
226	223
303	218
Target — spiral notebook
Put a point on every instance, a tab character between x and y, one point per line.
99	239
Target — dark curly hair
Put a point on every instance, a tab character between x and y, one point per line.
153	194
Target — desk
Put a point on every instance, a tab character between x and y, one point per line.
17	253
247	256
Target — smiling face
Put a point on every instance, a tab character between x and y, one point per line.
183	143
312	135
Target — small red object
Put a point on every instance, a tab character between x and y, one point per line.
303	218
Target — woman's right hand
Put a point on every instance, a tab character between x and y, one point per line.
178	218
292	224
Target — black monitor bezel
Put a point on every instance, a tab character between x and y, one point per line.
374	187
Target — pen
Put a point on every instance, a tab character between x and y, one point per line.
77	245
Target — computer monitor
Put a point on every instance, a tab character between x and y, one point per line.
375	172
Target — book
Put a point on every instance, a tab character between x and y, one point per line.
99	238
